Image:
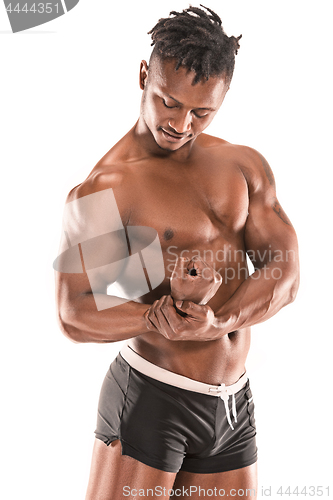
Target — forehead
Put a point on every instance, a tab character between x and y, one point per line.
179	84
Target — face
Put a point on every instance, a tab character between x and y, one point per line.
174	110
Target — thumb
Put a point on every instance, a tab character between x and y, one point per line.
178	272
186	306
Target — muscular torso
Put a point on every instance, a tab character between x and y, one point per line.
198	207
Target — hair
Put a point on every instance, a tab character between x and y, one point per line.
197	41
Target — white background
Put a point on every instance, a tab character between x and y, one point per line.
69	91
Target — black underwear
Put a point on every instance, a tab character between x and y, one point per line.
174	429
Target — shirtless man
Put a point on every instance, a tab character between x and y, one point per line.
209	199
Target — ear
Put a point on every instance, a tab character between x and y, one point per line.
143	74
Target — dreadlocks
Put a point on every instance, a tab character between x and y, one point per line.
197	41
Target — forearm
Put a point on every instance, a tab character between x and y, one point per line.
82	322
258	298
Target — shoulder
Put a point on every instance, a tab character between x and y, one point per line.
104	191
245	156
254	167
109	172
102	177
252	164
91	208
207	141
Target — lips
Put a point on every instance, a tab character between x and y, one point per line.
172	138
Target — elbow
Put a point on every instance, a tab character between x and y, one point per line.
294	273
293	291
68	330
293	286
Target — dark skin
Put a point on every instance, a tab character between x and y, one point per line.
200	193
193	280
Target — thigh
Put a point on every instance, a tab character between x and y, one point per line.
239	484
115	476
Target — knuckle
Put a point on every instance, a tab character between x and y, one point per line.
181	330
149	325
206	311
177	330
171	335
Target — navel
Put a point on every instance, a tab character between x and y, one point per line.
168	234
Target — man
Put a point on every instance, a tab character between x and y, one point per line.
176	410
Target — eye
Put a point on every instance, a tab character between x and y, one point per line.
169	107
199	116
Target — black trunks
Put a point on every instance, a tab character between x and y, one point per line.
174	429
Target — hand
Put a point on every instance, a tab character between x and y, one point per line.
194	280
197	322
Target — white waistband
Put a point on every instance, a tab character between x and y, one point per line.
142	365
162	375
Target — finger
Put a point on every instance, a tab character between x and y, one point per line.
151	315
197	264
214	287
149	324
167	317
202	268
211	275
167	309
192	309
155	312
179	269
218	277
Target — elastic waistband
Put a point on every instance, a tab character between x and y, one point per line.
142	365
222	391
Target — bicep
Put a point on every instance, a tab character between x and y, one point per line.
93	245
268	231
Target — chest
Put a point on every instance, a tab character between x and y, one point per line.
189	207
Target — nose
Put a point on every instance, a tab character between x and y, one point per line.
181	123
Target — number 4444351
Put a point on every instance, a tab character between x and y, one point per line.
34	8
306	491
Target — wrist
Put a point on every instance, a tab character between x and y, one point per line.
225	323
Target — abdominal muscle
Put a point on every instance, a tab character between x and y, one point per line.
212	362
